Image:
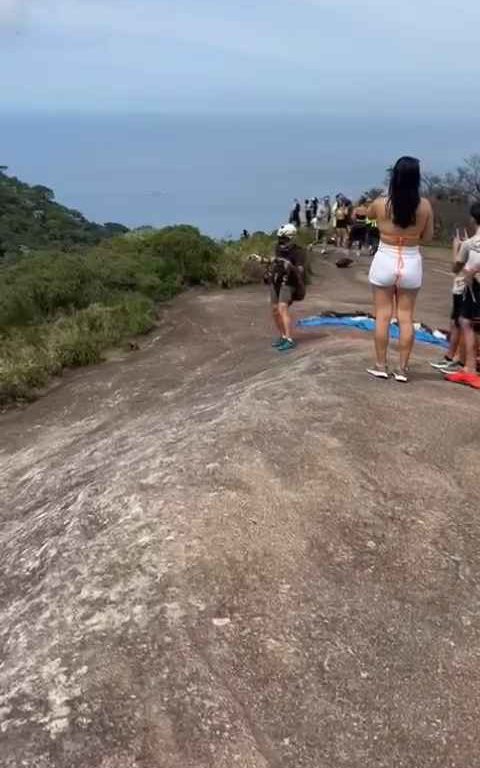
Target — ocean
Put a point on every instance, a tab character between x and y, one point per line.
222	173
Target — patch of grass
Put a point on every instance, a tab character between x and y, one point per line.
235	266
61	309
30	356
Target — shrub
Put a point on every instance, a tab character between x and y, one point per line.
29	356
63	309
37	287
184	251
235	265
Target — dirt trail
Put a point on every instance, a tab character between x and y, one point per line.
215	556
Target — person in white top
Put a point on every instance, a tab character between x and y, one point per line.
452	360
467	263
321	222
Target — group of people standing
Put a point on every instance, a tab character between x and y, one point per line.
312	209
404	221
348	224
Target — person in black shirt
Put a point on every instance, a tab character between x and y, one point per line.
287	283
295	214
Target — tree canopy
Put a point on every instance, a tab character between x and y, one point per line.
31	219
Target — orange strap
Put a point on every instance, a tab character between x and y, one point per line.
400	264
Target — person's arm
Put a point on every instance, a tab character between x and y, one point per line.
470	274
461	253
456	246
428	230
372	211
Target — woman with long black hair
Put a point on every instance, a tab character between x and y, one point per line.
405	221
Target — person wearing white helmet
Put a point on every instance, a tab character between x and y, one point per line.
287	283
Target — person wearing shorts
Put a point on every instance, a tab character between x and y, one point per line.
287	284
405	221
451	361
341	224
282	294
467	262
359	228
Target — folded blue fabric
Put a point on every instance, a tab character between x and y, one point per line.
368	324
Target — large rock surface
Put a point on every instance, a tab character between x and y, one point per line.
215	556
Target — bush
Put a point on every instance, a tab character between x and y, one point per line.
37	288
63	309
185	252
28	357
235	265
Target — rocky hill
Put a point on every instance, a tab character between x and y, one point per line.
31	219
215	556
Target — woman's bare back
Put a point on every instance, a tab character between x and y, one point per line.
420	232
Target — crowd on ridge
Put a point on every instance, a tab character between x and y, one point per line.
348	223
394	226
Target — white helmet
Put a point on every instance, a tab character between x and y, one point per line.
288	230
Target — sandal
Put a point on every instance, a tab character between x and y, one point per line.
378	373
401	376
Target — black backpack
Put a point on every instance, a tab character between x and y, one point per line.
300	290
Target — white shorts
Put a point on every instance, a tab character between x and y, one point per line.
397	265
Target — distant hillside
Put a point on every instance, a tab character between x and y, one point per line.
30	219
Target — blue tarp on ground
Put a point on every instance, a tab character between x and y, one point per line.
364	323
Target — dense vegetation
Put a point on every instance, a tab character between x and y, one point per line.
69	288
31	219
452	194
60	309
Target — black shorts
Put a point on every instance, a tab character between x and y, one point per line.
281	294
358	234
457	307
342	224
471	302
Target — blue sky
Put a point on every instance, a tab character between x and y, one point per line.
207	55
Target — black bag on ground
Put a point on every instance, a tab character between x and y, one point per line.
344	262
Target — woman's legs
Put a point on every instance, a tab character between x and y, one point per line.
383	298
406	300
285	319
456	343
278	320
470	345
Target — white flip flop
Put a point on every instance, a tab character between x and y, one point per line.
377	373
401	377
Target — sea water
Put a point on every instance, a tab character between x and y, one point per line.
220	172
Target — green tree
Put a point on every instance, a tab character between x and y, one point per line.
373	193
468	177
30	219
